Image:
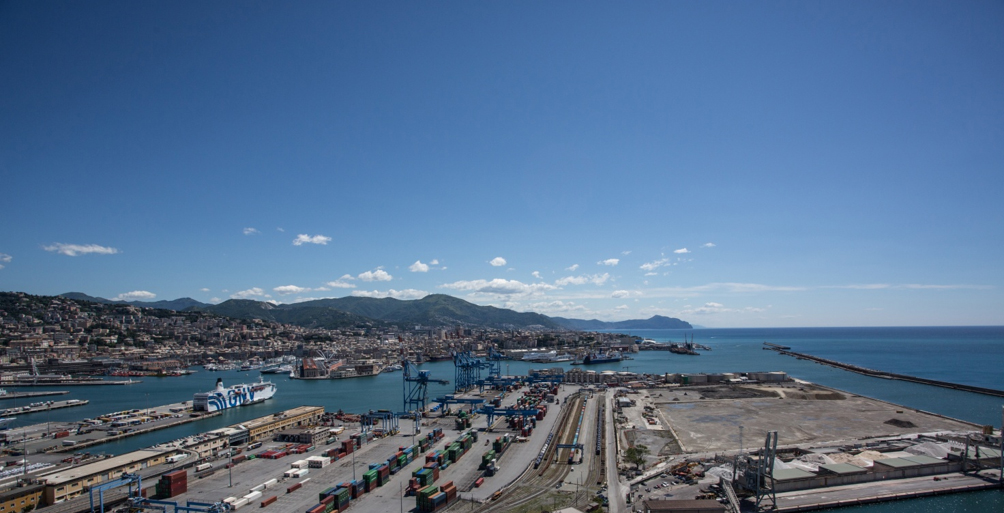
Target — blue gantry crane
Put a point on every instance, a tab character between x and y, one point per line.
123	480
142	504
447	400
468	371
416	386
491	412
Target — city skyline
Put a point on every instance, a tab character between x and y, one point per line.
731	165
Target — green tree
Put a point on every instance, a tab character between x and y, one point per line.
636	455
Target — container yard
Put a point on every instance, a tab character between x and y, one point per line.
543	446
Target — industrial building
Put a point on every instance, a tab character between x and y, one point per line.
17	499
70	482
264	428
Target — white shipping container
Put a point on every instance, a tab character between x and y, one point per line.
240	502
230	500
253	496
270	483
318	461
293	472
257	488
302	472
299	464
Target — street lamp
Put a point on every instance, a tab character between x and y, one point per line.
231	467
740	439
353	462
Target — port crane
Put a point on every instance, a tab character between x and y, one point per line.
124	479
143	504
416	386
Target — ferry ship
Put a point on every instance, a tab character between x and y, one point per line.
547	357
237	395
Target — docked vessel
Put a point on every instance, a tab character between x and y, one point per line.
546	357
222	397
281	369
596	358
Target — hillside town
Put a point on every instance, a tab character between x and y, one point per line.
42	334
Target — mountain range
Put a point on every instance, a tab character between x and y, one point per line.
431	310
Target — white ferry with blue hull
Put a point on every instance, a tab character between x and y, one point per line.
229	397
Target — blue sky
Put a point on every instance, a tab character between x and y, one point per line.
728	163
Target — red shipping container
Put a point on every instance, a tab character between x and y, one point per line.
269	500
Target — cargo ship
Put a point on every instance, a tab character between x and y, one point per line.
596	358
237	395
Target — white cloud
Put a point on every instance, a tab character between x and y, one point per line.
595	279
620	294
418	267
434	262
497	261
863	286
945	287
712	308
708	245
396	294
204	289
909	286
651	266
289	289
278	229
135	295
251	231
622	307
302	239
377	275
652	274
499	286
609	261
555	307
5	258
80	249
249	293
681	251
573	267
536	274
626	253
340	283
214	300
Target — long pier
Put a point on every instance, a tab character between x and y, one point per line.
891	375
43	407
28	395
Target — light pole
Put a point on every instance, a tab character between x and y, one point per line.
353	462
231	467
740	439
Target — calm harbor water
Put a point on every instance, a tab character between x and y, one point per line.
970	355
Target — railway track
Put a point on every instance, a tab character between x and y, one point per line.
536	482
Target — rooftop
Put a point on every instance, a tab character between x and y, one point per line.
74	473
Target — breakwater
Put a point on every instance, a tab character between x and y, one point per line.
891	375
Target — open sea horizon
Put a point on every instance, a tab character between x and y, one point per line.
969	355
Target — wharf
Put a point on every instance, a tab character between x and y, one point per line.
38	438
69	383
98	437
890	375
28	395
50	405
881	491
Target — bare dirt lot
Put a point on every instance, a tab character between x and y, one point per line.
707	419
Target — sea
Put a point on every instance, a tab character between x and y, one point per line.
968	355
